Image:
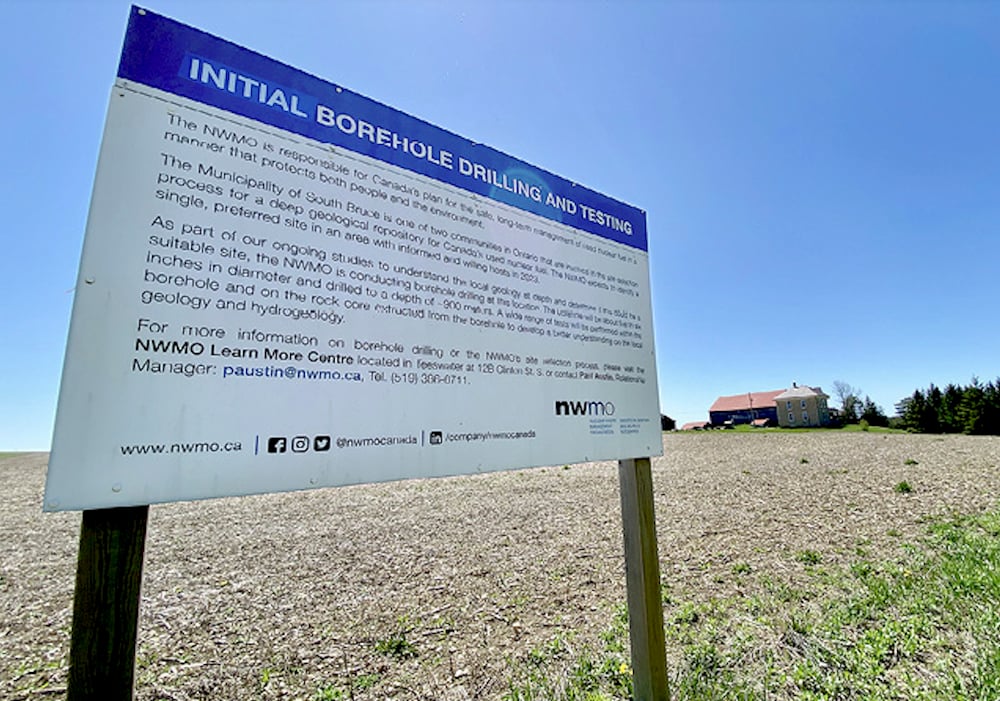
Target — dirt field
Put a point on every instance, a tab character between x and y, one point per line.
433	589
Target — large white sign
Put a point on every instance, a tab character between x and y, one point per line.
285	285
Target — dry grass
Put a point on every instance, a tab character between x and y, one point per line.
433	589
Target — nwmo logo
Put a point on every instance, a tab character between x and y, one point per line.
584	408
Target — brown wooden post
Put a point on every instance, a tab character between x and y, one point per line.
642	576
106	604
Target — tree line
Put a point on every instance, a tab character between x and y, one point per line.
972	409
854	409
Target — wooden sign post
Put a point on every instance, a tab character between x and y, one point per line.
642	576
106	604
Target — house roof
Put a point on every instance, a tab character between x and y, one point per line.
749	400
802	391
693	425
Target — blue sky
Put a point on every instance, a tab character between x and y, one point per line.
821	179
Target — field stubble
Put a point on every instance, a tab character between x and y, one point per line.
445	589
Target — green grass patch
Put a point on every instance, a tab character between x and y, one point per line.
859	428
397	646
808	557
557	670
849	428
330	693
333	692
920	625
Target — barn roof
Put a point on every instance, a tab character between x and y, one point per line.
742	402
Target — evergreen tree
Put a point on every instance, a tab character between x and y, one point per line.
970	411
901	406
916	407
948	414
931	421
974	409
991	409
872	413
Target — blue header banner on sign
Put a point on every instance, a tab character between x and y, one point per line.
179	59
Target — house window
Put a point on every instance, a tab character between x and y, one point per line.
803	403
805	419
791	419
788	405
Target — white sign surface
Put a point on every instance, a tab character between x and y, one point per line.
259	311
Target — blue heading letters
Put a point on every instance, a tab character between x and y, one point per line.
179	59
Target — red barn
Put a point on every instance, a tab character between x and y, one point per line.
745	408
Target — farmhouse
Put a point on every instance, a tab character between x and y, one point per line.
798	406
802	406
